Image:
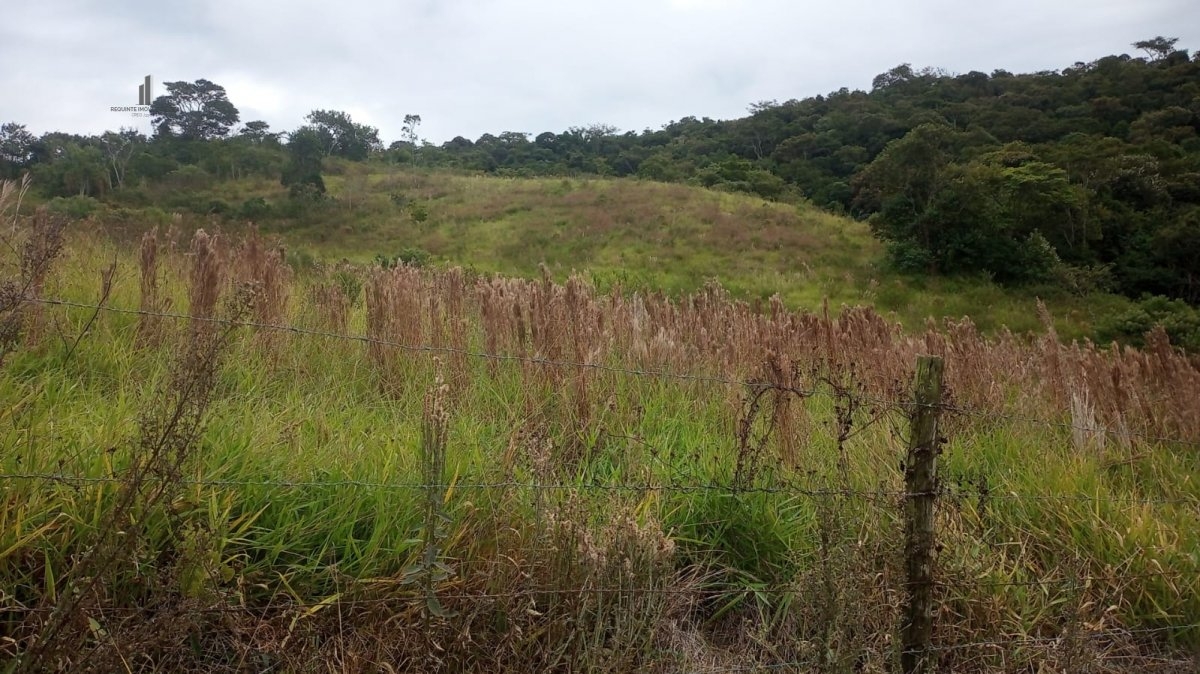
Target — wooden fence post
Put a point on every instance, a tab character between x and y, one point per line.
920	481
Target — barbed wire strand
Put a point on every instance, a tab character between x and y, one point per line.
418	602
588	486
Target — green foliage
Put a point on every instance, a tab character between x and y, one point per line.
151	166
340	136
1180	321
302	174
301	260
413	257
306	193
254	209
197	110
740	175
993	214
1157	47
219	207
661	166
751	533
75	168
1084	280
189	178
350	283
258	132
16	149
1101	159
418	211
76	207
910	257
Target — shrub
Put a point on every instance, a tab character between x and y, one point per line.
1084	280
418	212
413	257
908	256
1037	260
1180	321
305	201
307	192
301	260
217	207
349	281
77	207
255	208
189	177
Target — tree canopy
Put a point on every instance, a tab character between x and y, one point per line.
197	110
340	136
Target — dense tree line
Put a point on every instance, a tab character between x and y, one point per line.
1088	176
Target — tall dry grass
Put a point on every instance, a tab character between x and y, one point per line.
647	571
1132	392
31	249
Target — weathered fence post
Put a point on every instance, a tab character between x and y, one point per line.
920	480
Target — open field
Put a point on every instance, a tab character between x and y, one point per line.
442	470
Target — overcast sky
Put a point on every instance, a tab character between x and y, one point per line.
475	66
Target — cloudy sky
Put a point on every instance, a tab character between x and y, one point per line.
475	66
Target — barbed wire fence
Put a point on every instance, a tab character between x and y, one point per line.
918	653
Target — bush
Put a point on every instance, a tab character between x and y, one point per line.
218	207
77	207
909	257
1035	261
305	202
301	260
350	283
189	178
132	196
1084	280
413	257
150	166
418	212
1180	321
255	208
307	192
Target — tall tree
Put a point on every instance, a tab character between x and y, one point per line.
16	149
1157	48
73	168
302	174
197	110
341	136
258	132
119	147
409	132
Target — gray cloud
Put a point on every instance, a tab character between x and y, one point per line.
474	66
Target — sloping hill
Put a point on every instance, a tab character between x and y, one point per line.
617	231
647	234
655	236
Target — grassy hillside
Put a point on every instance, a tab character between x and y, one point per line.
219	498
636	234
